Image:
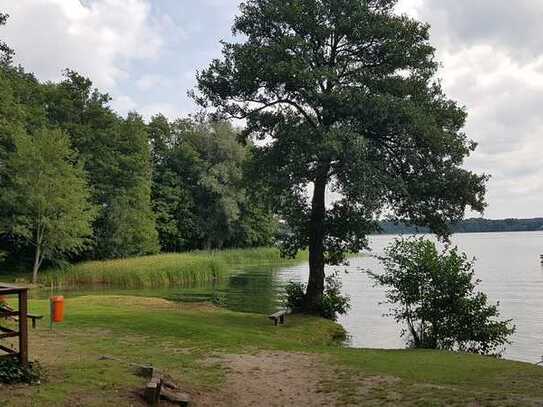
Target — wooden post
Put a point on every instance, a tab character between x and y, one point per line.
22	315
23	326
152	391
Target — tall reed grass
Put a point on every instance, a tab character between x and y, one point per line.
165	270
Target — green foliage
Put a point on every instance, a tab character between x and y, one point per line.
116	156
20	114
12	372
332	303
345	95
47	196
172	186
199	194
294	296
129	227
434	294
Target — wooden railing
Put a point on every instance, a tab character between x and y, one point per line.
21	316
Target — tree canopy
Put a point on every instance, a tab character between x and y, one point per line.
199	189
47	197
344	96
158	186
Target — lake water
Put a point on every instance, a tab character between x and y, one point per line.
507	263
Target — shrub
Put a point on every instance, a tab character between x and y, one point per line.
12	372
294	296
332	304
433	293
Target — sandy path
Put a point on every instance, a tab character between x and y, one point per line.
270	379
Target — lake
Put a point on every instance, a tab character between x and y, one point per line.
507	263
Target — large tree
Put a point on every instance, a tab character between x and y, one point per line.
47	197
344	95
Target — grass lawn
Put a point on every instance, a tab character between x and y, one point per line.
188	340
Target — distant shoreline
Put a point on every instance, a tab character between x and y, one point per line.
473	225
456	233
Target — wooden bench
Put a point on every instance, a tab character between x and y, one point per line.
34	318
279	316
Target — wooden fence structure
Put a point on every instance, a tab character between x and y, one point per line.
21	316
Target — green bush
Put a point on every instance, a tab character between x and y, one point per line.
433	293
294	296
12	372
332	304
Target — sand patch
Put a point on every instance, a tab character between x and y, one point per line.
270	379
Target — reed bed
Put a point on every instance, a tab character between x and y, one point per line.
165	270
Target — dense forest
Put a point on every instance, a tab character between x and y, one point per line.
474	225
79	182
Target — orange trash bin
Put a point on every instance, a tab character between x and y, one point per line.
57	308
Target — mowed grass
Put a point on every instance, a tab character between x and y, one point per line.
185	341
165	270
180	339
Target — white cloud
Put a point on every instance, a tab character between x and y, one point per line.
124	104
492	60
98	39
147	82
169	110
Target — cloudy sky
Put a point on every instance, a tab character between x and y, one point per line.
145	53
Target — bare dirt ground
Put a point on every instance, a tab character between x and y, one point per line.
270	379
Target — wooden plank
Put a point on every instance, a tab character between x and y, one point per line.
177	398
279	316
7	285
4	329
6	289
8	333
23	327
9	351
8	313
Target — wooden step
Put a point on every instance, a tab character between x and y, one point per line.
7	333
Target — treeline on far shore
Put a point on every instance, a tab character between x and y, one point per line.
474	225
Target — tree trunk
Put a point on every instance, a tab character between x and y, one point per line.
315	286
37	264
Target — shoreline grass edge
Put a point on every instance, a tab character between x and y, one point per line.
163	270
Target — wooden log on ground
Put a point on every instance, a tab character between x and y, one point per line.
181	399
151	394
147	372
